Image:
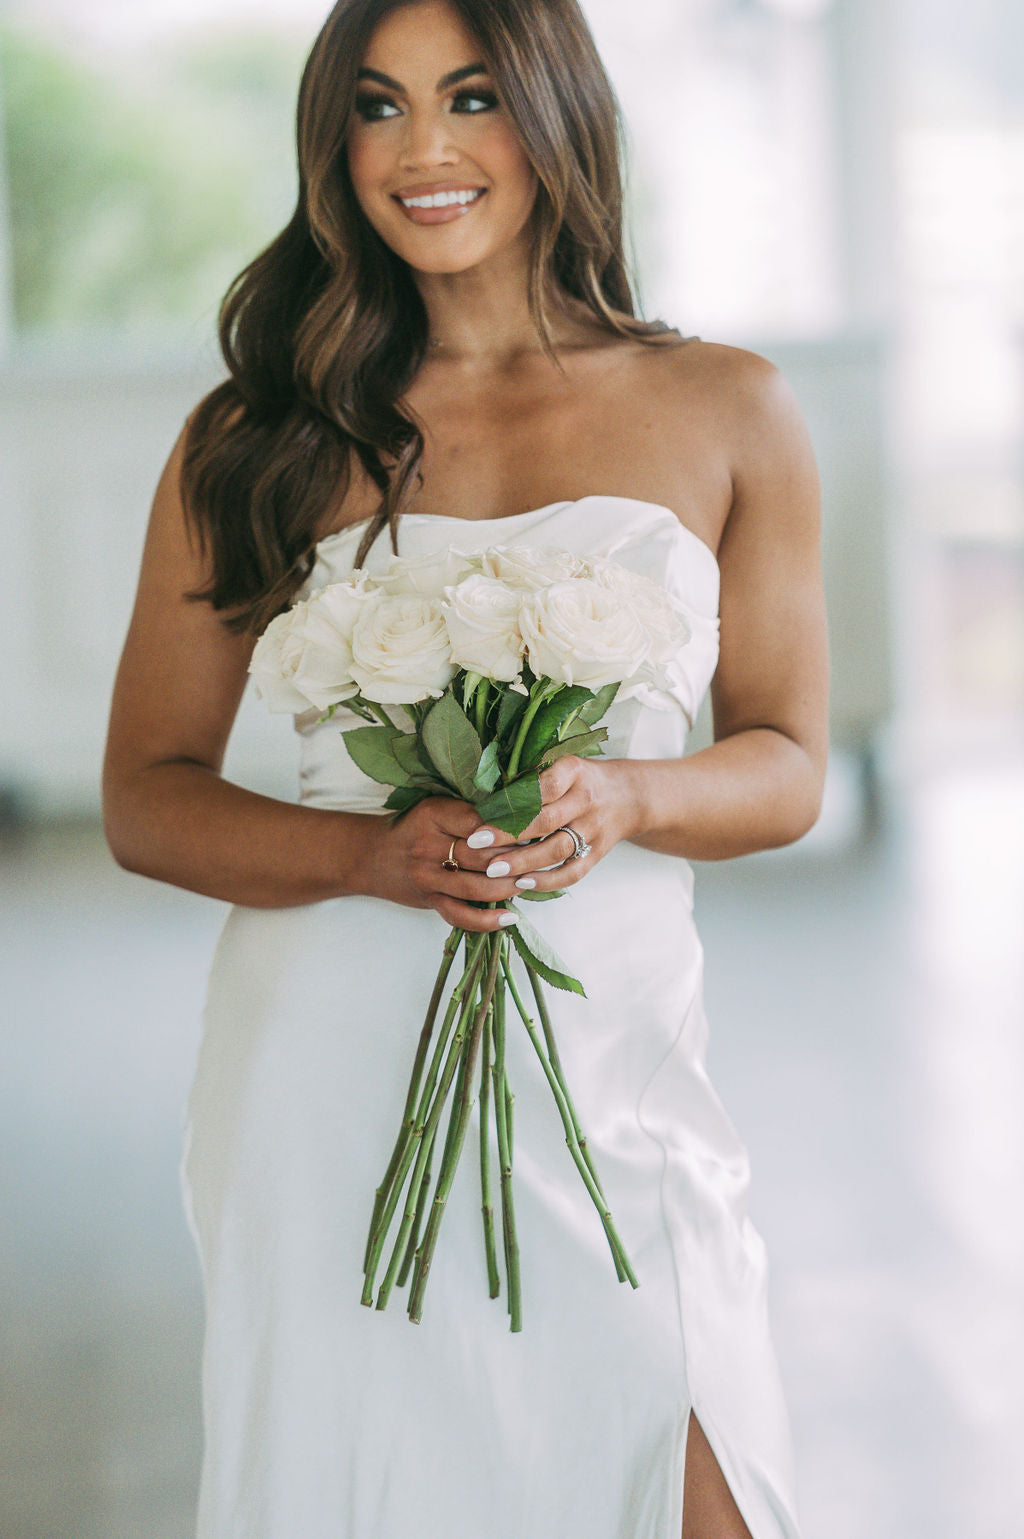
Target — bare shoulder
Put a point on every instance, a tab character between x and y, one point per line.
740	383
747	404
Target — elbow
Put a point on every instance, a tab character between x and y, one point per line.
121	826
802	807
803	820
120	843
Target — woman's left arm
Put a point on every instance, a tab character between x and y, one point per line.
759	785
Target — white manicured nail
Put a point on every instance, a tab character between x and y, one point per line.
507	918
498	868
481	839
526	881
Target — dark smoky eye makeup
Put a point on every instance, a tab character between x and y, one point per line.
372	104
368	105
483	94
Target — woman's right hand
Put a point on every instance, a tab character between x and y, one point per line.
408	864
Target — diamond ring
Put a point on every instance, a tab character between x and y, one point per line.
580	847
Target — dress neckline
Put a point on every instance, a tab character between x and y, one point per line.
509	518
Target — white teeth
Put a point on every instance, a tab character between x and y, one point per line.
443	199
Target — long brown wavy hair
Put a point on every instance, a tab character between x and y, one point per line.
325	331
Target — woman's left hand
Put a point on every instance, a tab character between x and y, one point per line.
587	795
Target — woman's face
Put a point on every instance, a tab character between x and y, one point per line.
435	163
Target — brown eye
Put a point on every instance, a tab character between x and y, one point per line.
373	109
474	101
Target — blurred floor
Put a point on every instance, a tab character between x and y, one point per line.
866	1004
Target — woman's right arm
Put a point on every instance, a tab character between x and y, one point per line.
169	814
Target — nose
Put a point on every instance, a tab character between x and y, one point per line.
426	142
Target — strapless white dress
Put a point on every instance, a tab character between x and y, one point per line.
327	1420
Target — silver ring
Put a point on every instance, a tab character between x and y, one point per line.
580	847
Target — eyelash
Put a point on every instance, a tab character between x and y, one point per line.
365	104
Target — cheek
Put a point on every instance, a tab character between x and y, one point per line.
501	154
365	164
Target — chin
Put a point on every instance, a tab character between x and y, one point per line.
435	252
441	266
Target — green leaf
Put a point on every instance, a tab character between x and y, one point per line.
512	706
470	684
536	953
591	713
404	798
549	720
513	807
584	744
450	739
540	897
372	749
409	754
488	770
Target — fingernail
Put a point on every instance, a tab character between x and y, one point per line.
507	918
526	881
498	868
481	839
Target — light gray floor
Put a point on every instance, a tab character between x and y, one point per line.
867	1005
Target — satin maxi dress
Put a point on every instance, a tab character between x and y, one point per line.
324	1419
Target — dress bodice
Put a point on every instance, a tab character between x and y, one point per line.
643	536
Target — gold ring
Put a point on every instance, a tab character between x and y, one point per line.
450	863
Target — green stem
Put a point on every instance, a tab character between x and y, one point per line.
380	713
480	704
424	1191
457	1135
451	946
427	1142
545	692
574	1138
501	1094
414	1237
493	1279
466	983
565	730
556	1064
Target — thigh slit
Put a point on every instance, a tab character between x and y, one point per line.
709	1507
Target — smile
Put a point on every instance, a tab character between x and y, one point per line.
442	199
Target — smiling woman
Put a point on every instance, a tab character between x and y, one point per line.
331	306
429	149
442	346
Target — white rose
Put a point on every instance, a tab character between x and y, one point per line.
304	657
427	575
271	672
482	615
580	632
529	567
666	629
400	649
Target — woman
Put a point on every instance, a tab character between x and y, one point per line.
441	347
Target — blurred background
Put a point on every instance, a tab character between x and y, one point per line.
838	184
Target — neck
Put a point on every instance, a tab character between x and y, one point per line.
482	317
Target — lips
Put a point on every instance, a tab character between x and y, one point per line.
437	202
462	197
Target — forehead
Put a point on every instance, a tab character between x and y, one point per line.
425	38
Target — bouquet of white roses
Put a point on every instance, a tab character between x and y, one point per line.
474	673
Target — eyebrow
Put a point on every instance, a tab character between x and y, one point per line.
452	78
